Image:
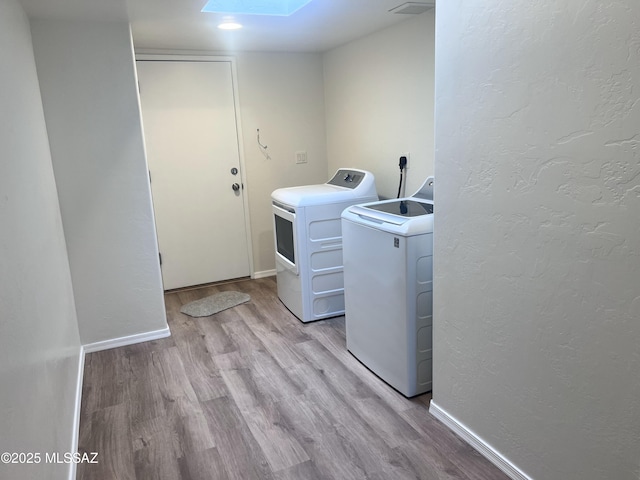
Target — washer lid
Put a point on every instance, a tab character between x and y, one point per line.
404	208
390	216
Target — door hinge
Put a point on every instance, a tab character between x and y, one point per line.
149	176
160	257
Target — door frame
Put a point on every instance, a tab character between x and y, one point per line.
165	57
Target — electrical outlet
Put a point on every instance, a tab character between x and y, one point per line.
408	155
301	157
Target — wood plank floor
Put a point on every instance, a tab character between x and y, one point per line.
253	393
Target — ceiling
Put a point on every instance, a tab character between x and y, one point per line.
178	24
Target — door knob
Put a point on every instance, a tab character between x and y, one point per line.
235	187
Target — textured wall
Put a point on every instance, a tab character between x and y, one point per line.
39	341
537	235
87	78
379	103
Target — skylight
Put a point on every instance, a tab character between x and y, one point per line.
282	8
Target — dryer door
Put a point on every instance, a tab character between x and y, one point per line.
285	236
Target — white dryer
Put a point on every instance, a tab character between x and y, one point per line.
308	240
388	252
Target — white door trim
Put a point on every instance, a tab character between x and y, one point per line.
236	100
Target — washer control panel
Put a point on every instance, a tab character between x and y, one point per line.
347	178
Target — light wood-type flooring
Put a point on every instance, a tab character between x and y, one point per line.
252	393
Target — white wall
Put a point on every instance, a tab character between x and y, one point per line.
282	95
537	239
379	103
88	85
39	341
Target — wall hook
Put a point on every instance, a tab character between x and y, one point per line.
261	145
263	148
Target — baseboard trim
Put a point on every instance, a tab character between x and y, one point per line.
263	274
128	340
478	443
76	413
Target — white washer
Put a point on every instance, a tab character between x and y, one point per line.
388	263
308	240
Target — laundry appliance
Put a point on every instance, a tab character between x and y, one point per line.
388	253
308	240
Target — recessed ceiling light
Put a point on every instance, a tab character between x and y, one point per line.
255	7
229	25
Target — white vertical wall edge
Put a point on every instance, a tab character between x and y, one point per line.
146	161
264	273
478	443
76	412
128	340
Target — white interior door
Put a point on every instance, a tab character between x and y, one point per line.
189	120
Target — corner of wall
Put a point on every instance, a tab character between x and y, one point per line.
101	174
